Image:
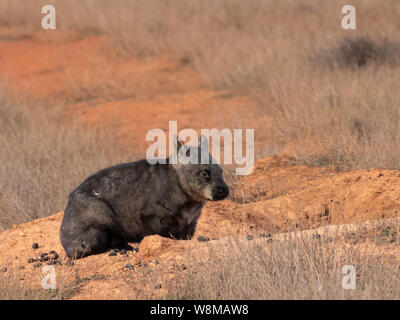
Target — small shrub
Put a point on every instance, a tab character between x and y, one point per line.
360	52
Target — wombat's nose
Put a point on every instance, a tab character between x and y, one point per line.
221	192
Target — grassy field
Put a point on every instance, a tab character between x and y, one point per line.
332	92
296	267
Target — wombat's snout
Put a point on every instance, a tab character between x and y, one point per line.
220	192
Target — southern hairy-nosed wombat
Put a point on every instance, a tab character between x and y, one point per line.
129	201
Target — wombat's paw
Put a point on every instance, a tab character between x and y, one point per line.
203	239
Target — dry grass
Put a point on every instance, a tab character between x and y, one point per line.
360	52
342	116
294	267
344	119
98	83
11	289
44	156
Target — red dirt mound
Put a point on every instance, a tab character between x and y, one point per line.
285	196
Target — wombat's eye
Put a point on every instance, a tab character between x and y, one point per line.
204	174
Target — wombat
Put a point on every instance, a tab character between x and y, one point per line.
129	201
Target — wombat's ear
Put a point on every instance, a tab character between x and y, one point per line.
178	142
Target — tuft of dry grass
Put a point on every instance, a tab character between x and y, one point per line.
294	266
348	119
11	289
360	52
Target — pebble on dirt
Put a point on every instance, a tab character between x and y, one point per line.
54	254
112	253
265	235
35	245
129	267
203	239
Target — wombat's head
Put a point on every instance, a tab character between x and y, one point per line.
198	176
